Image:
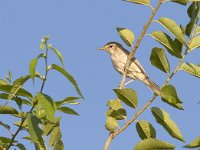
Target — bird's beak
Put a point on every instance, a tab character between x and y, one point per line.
101	48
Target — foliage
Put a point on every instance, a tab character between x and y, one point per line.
179	42
41	121
37	114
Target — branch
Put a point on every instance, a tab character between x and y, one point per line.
114	134
41	89
131	55
121	85
20	127
46	69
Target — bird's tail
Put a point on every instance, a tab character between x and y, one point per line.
153	86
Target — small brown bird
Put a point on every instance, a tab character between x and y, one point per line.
119	57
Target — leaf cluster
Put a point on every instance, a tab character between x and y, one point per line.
179	41
41	122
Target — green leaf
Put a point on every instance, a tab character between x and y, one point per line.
172	27
191	69
142	2
47	104
20	92
43	42
3	82
153	144
24	126
67	100
67	110
16	99
26	102
167	42
119	114
145	130
9	77
38	146
111	124
159	60
194	144
4	125
27	138
48	128
55	135
189	27
4	95
126	35
128	96
114	104
116	109
169	95
40	113
191	10
74	103
34	130
55	139
57	52
21	146
32	67
182	2
179	45
69	77
163	118
7	110
59	145
6	140
21	115
194	43
33	64
17	85
197	31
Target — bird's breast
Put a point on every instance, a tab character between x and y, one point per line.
119	61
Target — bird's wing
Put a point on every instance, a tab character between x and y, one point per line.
138	65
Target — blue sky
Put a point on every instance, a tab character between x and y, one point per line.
77	28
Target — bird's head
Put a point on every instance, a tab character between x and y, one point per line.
111	47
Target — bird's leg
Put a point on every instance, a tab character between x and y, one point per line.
128	82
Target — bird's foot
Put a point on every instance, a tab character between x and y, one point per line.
128	82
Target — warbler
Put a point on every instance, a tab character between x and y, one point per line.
135	71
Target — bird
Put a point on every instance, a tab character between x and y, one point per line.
135	71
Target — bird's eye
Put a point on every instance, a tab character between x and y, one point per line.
110	46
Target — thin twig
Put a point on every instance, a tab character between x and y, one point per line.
46	70
24	119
